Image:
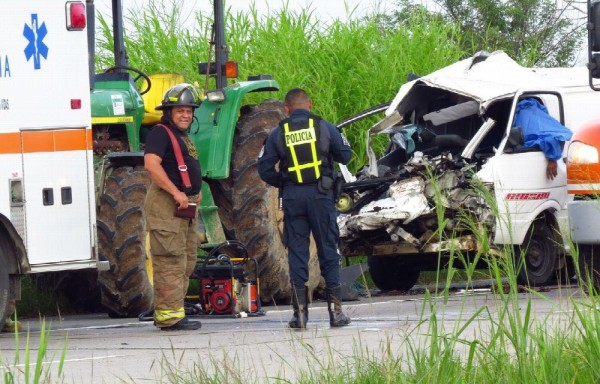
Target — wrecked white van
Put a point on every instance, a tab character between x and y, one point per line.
456	176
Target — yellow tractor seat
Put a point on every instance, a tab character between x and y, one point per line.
160	83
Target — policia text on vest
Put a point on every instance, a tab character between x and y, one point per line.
303	136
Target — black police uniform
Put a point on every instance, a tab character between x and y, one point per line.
306	209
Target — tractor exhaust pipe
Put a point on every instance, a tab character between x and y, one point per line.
221	50
121	59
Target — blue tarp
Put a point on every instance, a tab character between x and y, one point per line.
541	130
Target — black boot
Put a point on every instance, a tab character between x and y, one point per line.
334	305
183	325
300	305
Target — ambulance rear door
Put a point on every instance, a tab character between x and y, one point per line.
45	130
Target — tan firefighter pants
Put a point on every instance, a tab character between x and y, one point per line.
173	246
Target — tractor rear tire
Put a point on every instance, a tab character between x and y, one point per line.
249	208
125	289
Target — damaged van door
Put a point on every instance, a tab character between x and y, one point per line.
531	208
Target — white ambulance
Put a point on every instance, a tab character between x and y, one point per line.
47	207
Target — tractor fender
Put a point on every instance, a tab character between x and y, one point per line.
216	125
120	159
12	246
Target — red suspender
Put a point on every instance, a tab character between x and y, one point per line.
185	177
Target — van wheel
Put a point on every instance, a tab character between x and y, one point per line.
589	268
537	257
389	275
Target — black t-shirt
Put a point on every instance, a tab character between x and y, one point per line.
159	143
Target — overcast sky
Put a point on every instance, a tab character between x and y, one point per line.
323	9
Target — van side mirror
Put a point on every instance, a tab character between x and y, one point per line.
594	65
593	27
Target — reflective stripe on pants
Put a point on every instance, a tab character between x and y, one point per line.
167	315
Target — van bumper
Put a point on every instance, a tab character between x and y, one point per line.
584	221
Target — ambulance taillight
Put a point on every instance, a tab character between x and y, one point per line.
76	18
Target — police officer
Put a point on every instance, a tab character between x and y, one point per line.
306	146
173	240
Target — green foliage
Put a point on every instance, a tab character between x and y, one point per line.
155	40
38	300
18	372
533	32
345	66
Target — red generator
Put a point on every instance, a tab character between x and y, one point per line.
228	282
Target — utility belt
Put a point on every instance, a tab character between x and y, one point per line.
289	183
324	184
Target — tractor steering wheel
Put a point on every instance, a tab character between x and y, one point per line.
136	71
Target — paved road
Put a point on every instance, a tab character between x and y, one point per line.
260	349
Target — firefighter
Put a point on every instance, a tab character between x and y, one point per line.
306	146
173	239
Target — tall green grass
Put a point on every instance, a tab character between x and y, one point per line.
34	367
345	66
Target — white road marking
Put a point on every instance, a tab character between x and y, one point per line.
137	324
72	360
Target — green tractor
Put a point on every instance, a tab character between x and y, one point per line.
236	204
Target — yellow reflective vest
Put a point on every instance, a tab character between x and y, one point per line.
304	149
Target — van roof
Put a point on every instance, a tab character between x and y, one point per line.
485	77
